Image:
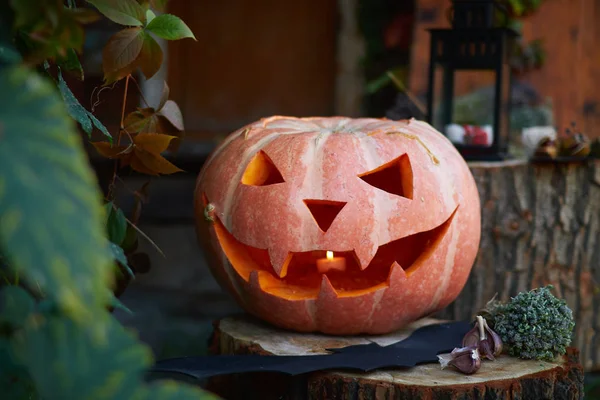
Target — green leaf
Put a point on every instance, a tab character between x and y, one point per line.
378	83
118	305
131	238
150	16
85	118
16	305
68	361
119	255
124	12
51	225
52	231
75	109
170	27
100	126
27	11
116	224
15	381
8	54
71	63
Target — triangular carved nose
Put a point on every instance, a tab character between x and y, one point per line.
324	211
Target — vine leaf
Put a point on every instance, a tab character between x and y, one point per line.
85	118
166	118
121	52
142	120
151	56
84	15
129	49
117	304
116	223
26	12
143	155
130	242
8	54
49	31
159	5
70	63
148	147
154	143
108	150
121	258
164	96
173	114
56	345
123	12
15	381
119	255
42	162
52	232
170	27
16	305
150	16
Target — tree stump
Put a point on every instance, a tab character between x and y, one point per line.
505	378
540	226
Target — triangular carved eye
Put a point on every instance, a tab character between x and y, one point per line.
395	177
261	171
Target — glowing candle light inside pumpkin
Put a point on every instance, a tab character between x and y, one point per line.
331	263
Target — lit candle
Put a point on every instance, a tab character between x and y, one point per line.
331	263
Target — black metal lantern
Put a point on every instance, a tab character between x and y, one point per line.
474	43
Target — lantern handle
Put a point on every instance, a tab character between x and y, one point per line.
500	5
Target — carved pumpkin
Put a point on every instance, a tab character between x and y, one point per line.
393	200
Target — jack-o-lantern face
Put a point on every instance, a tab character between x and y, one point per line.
393	201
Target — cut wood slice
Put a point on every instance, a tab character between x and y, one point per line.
505	378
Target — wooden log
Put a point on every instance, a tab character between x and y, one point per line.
540	225
505	378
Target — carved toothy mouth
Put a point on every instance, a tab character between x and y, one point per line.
302	280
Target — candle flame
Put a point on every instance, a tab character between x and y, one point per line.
329	255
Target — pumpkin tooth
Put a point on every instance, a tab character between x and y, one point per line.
397	274
280	260
364	255
327	289
254	279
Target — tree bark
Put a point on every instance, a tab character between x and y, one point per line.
540	226
505	378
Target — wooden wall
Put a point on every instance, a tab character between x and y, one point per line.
571	74
253	58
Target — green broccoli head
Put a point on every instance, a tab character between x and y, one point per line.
535	325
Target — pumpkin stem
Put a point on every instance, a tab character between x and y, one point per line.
246	132
208	211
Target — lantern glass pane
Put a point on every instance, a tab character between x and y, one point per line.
505	100
473	104
442	104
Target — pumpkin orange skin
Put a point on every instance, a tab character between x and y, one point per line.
322	159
